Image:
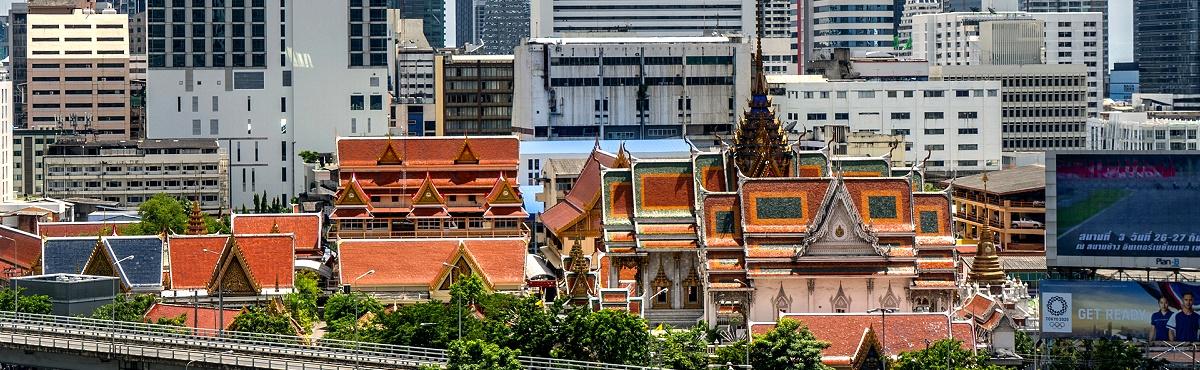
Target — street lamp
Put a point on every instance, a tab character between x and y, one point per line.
220	296
453	267
354	302
883	342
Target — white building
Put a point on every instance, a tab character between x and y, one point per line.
6	139
276	79
948	39
863	26
957	122
688	18
630	88
1141	131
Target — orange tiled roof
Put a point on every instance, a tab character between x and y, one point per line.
418	262
905	331
270	258
305	226
20	247
201	317
428	151
811	192
583	195
977	306
191	266
60	229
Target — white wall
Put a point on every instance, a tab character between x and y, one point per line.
764	307
6	140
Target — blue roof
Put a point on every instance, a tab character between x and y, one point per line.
529	195
585	146
66	255
145	269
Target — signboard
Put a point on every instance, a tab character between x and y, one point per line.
1161	311
1123	210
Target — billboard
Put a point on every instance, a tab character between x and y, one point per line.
1123	209
1160	311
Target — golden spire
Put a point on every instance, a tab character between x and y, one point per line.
986	268
579	267
761	148
196	220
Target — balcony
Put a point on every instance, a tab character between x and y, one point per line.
978	219
447	228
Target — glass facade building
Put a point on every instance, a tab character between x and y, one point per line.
1167	45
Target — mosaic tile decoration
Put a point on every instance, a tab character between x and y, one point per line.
881	206
864	168
711	168
723	222
617	197
811	165
929	222
778	207
664	189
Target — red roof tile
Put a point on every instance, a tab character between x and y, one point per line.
60	229
976	306
201	317
861	189
418	262
271	258
428	151
191	266
582	197
905	331
811	192
305	226
20	247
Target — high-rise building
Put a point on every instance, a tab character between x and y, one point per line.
689	18
1167	45
476	94
1075	6
979	5
4	24
1123	81
862	26
78	71
911	9
268	79
6	139
431	12
466	20
17	38
502	24
414	90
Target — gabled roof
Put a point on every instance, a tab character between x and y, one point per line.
352	194
266	260
144	270
417	263
202	317
191	266
428	195
503	194
582	197
93	229
20	249
905	331
66	255
306	227
427	151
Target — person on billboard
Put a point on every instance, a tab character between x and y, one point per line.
1185	323
1159	321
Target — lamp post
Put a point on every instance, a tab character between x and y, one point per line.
220	296
455	268
354	302
883	342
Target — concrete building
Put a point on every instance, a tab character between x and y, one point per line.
276	80
1123	81
475	95
1013	205
130	172
502	24
29	149
1143	131
432	14
844	67
630	88
1074	6
70	294
18	31
863	26
979	5
414	91
1166	47
957	123
78	71
6	139
1044	107
675	18
1014	38
913	8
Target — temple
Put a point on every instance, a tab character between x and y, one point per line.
752	231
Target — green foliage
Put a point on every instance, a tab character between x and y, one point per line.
733	353
1098	354
1025	344
480	355
467	289
302	302
523	324
160	212
789	346
126	308
605	336
39	304
342	307
427	324
309	156
945	354
180	320
261	320
682	349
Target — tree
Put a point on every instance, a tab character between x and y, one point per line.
128	308
477	354
682	349
789	346
38	304
160	212
257	204
467	289
180	320
1098	354
426	324
944	354
309	156
263	320
605	336
733	353
302	302
350	307
523	324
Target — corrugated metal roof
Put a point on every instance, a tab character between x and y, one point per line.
1014	180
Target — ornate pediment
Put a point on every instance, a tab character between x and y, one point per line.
838	230
100	263
233	275
465	154
428	194
503	193
352	194
389	155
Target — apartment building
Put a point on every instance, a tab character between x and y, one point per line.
268	79
956	123
78	72
501	25
1012	204
6	139
630	87
863	26
476	95
674	18
1043	106
128	172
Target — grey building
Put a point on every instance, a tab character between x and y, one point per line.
431	12
466	19
1073	6
502	24
70	294
1167	45
17	40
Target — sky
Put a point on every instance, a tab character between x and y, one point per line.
1120	28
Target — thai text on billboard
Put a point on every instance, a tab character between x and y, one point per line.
1157	311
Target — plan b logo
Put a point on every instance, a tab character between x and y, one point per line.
1056	313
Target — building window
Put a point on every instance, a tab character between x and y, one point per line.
376	102
195	104
214	127
934	131
901	115
195	127
216	106
968	146
356	102
935	115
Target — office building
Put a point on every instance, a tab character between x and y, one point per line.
1015	38
913	8
1043	106
6	139
78	71
1166	45
466	22
687	18
1073	6
476	95
1123	81
979	5
955	123
129	172
273	80
502	24
29	150
413	86
629	88
863	26
17	38
4	25
432	14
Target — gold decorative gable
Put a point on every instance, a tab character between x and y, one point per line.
503	193
233	275
100	263
466	155
352	195
428	195
622	160
389	155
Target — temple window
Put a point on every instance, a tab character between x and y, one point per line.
921	304
661	281
428	225
506	224
691	289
